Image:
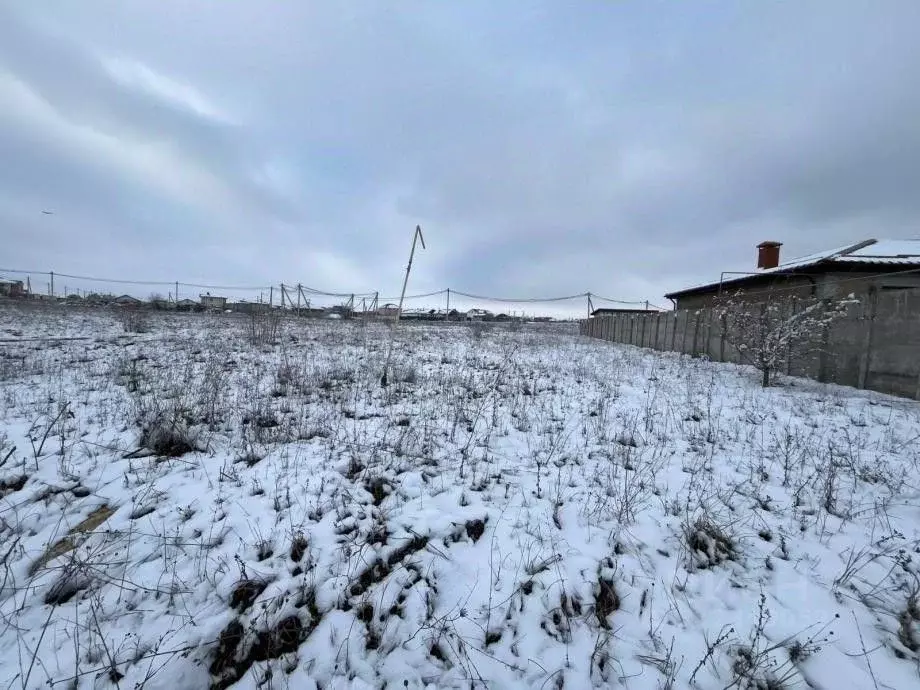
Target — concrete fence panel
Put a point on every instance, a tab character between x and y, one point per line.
876	345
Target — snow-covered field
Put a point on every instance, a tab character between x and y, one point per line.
188	507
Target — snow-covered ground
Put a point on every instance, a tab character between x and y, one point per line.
187	508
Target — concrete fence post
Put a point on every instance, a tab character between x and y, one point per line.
789	351
696	332
709	352
683	330
865	361
823	353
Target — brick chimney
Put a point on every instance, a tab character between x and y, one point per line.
768	254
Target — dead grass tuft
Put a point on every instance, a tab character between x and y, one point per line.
168	437
606	601
245	593
708	543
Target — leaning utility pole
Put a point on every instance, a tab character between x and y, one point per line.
416	236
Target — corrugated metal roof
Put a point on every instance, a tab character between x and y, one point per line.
873	252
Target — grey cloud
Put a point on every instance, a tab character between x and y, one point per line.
616	148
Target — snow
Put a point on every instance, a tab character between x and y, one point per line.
887	251
519	508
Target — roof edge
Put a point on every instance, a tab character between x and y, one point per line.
789	268
855	248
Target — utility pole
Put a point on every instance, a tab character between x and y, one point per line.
52	284
271	296
590	306
298	299
447	310
177	293
402	295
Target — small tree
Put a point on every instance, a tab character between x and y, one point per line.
766	333
157	300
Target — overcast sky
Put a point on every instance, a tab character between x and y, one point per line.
622	147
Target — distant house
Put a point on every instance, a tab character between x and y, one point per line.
126	301
12	288
212	302
388	310
612	312
479	315
248	307
861	268
187	305
344	311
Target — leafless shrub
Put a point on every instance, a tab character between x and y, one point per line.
477	329
767	333
264	327
758	663
134	320
909	618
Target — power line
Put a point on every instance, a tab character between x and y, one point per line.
421	296
112	280
14	270
512	300
249	288
722	284
312	291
